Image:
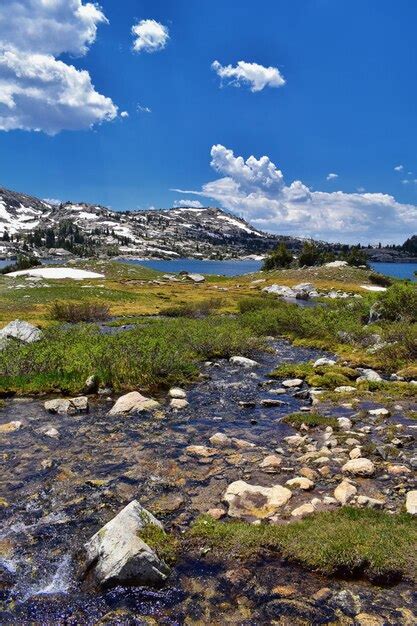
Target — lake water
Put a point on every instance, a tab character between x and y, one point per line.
238	267
397	270
199	266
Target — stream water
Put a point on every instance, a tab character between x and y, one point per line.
60	491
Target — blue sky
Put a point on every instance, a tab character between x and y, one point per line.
348	107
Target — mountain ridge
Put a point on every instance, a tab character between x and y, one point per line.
167	233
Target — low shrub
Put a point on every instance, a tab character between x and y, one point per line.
199	309
399	302
379	279
257	303
75	312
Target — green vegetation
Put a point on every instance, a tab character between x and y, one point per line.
345	542
154	355
165	545
313	254
399	302
309	419
328	376
200	308
75	312
280	257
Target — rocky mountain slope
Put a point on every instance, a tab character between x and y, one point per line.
170	233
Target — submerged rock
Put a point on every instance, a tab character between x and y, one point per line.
133	402
117	555
52	433
254	501
10	427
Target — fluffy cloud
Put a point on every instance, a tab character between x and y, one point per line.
398	168
256	189
332	176
257	76
150	36
195	204
50	26
38	91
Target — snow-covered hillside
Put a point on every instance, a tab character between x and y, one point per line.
185	231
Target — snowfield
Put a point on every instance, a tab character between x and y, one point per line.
373	288
57	272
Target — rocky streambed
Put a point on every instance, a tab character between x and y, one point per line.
67	474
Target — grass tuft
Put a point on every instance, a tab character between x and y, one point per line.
348	542
165	545
309	419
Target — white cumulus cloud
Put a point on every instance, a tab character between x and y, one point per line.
332	176
38	91
398	168
195	204
149	36
255	188
252	74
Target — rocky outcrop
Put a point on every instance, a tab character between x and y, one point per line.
117	555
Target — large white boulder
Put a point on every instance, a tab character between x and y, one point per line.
254	501
117	555
21	330
133	402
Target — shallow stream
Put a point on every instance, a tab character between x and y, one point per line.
61	491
